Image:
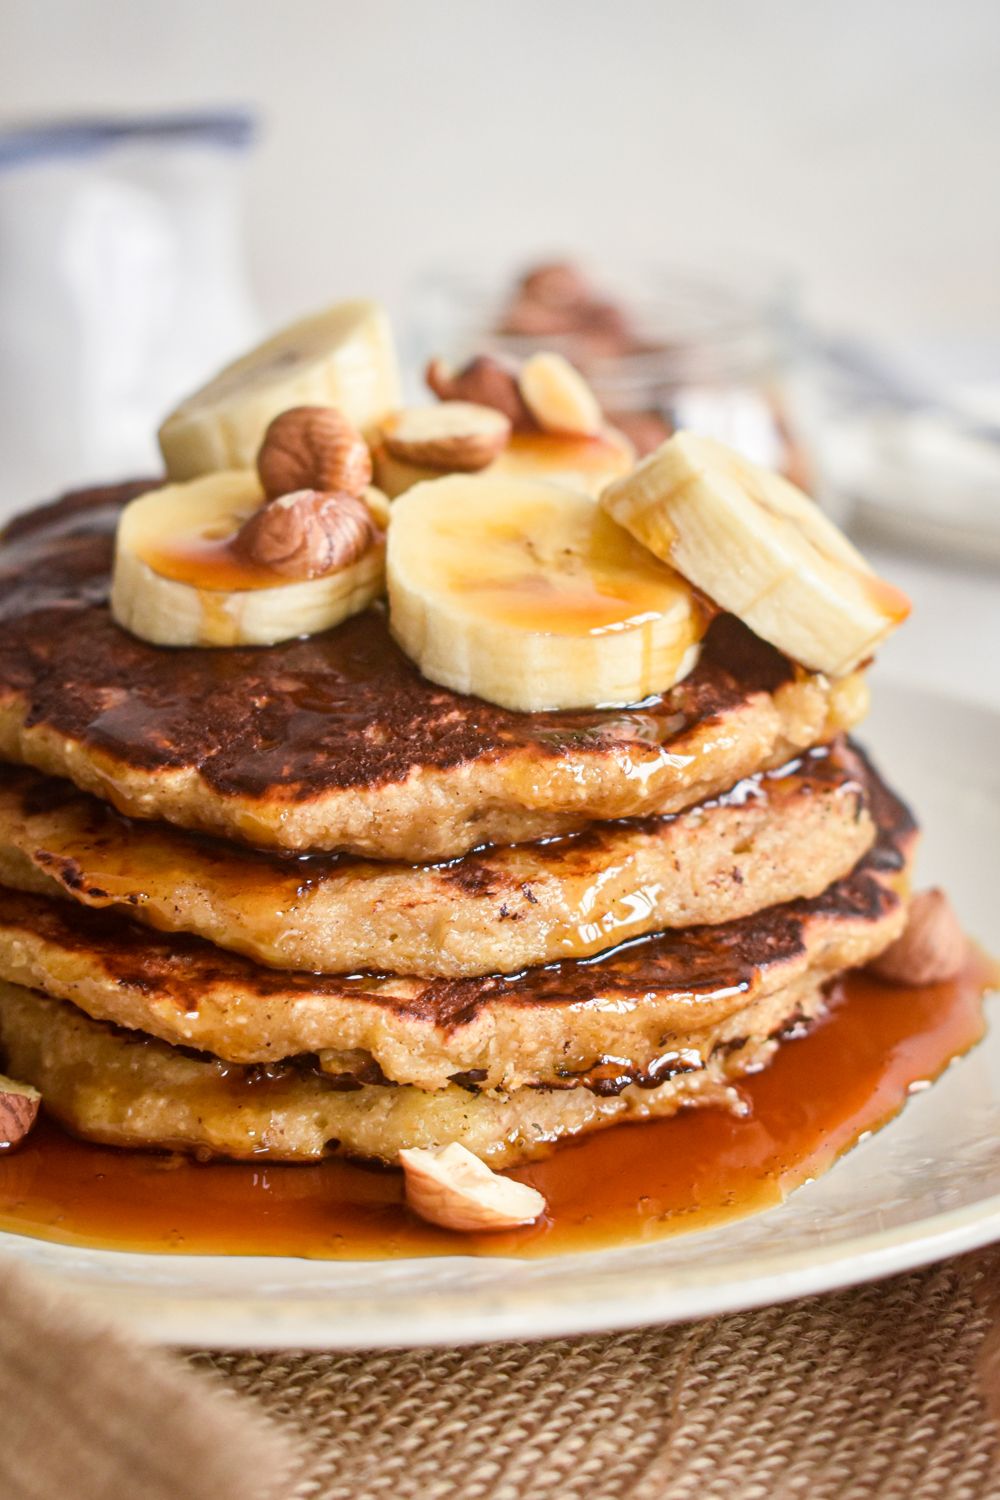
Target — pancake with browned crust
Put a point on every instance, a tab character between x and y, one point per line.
336	742
771	838
125	1089
635	1004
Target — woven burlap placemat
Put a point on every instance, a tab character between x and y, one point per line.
890	1390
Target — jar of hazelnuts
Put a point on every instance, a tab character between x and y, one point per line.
715	351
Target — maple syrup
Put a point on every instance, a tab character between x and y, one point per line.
604	580
261	900
583	462
847	1076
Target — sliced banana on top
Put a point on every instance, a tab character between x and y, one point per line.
759	548
182	578
343	357
528	595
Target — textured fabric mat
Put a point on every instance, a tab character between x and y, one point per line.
891	1390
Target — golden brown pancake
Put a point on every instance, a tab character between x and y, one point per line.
336	742
125	1089
771	838
638	1004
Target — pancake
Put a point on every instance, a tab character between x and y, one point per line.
771	838
336	742
635	1004
124	1089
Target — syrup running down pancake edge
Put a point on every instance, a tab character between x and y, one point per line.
771	838
537	1026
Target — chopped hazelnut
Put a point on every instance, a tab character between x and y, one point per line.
451	435
19	1104
448	1186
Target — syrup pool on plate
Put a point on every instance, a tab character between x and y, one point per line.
850	1074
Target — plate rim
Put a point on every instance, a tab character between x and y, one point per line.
637	1298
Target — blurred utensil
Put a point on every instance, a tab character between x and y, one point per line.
918	463
876	381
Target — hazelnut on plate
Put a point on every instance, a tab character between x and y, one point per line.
448	1186
932	947
19	1105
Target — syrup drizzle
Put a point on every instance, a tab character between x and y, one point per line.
849	1075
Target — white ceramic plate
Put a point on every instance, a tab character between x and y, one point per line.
926	1186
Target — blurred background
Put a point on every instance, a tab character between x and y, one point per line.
830	170
857	143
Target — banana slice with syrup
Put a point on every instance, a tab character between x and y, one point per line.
526	594
208	563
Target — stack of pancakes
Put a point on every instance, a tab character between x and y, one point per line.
299	900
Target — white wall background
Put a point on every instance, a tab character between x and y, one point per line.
856	140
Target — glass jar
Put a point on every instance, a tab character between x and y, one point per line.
122	281
711	350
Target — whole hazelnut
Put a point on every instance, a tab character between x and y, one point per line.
314	448
932	947
557	284
540	320
308	534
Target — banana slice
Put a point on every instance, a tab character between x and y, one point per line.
761	549
528	595
584	464
179	581
342	357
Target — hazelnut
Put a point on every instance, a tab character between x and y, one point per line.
556	301
603	332
645	430
558	283
452	435
19	1104
313	448
484	381
448	1186
308	534
931	948
539	320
